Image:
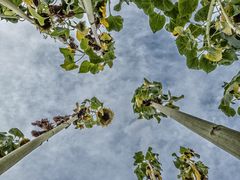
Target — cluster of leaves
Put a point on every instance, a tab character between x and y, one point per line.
189	169
58	20
11	140
92	112
231	95
148	166
206	42
152	92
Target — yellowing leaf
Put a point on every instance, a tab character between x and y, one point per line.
81	34
177	30
104	46
226	29
104	22
236	88
214	54
105	37
100	67
139	101
28	2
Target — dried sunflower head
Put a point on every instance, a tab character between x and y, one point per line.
105	116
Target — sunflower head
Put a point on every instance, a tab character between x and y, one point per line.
105	116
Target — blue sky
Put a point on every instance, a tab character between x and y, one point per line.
33	86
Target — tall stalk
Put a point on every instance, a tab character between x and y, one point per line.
87	4
223	137
15	9
12	158
209	18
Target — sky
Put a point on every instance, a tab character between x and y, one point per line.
33	86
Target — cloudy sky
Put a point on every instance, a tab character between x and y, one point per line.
33	86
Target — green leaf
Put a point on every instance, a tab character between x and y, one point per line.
206	65
236	2
227	110
115	23
196	29
95	103
68	66
156	22
139	157
109	56
186	45
59	31
164	5
192	63
69	63
16	132
93	57
85	67
202	14
94	68
84	44
146	5
187	7
67	53
238	111
228	57
118	6
39	18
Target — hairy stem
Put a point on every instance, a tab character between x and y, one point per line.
8	17
229	22
13	157
223	137
87	4
209	18
152	175
15	9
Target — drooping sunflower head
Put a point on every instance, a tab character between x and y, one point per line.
105	116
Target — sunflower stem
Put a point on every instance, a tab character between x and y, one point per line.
15	9
87	4
223	137
13	157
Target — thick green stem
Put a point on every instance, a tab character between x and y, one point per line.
15	9
87	4
209	18
223	137
12	158
8	17
229	22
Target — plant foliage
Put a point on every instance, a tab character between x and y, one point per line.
231	95
189	168
204	35
92	112
64	20
11	140
147	166
152	92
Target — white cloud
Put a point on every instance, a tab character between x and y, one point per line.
33	86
